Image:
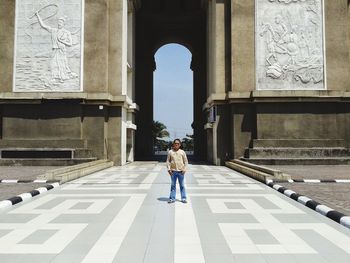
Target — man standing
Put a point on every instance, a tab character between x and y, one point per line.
61	38
177	164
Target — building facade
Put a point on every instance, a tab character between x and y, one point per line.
271	78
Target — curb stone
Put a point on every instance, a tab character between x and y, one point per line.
311	181
322	209
26	196
10	181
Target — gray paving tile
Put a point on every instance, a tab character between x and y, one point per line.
81	205
38	237
231	205
6	258
40	258
278	258
311	259
321	244
250	259
6	218
4	232
261	237
222	258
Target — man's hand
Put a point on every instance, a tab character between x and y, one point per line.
170	172
183	172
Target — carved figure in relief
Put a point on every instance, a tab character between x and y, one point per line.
291	43
61	39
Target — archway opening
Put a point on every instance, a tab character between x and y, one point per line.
173	99
157	24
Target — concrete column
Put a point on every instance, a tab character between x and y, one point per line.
348	30
216	47
211	50
243	45
219	79
7	19
131	54
117	53
198	67
337	45
217	71
115	136
94	129
221	135
144	98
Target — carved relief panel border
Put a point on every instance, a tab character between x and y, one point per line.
48	46
290	45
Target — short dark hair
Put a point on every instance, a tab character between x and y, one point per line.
177	140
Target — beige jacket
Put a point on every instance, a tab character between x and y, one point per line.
177	160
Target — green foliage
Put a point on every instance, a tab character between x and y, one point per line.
159	132
161	140
187	143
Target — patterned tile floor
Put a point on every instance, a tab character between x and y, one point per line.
121	215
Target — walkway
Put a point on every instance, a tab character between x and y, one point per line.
121	215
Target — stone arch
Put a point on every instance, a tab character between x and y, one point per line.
153	30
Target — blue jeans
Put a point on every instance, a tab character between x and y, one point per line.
177	175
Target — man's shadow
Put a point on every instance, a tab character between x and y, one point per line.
163	199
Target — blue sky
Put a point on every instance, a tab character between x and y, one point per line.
173	89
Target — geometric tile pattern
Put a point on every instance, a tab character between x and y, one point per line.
121	215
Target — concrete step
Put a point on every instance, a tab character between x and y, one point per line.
298	161
297	143
44	162
60	143
69	173
297	152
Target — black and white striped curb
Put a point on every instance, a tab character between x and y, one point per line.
322	209
10	181
26	196
311	181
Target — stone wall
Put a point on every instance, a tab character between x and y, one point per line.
243	45
90	111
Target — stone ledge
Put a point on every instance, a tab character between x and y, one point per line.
260	173
70	173
288	96
87	98
257	175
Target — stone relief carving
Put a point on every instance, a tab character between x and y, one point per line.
48	51
290	46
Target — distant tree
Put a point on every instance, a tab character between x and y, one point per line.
159	133
187	143
159	130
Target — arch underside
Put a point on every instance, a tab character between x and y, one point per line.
159	23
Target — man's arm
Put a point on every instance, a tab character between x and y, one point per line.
66	39
168	163
185	160
42	23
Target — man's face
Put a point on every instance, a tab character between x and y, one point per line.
176	145
278	19
60	24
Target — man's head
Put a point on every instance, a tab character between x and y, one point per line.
176	144
278	19
61	22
